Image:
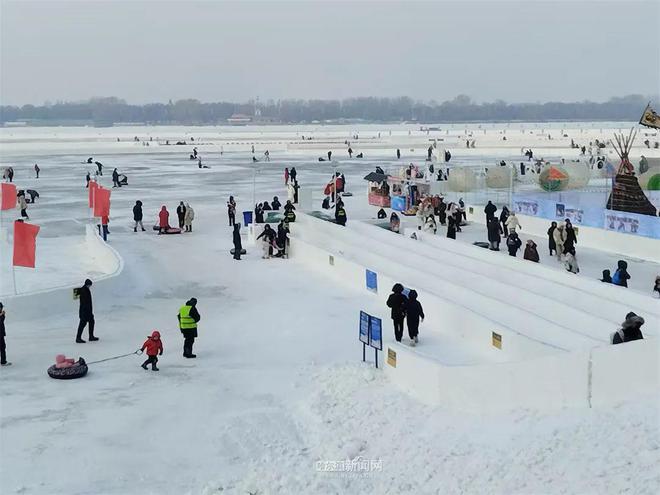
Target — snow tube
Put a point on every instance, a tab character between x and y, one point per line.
481	244
171	230
231	251
78	370
347	194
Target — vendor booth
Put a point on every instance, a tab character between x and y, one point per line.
399	194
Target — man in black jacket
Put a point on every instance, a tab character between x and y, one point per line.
137	215
490	210
188	318
181	214
85	312
238	245
3	346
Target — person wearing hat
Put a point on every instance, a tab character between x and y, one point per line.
154	347
3	345
188	317
631	329
397	301
85	312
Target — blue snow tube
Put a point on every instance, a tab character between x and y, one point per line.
78	370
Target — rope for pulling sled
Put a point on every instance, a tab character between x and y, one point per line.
138	352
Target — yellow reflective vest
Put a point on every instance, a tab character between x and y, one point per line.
185	321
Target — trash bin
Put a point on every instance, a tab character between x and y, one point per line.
247	218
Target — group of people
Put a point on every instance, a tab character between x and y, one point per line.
184	212
259	209
406	308
450	214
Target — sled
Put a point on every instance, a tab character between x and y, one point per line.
171	230
232	251
78	370
481	244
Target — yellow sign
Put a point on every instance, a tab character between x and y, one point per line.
331	260
497	340
391	357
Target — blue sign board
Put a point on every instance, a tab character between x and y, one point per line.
372	281
376	333
364	328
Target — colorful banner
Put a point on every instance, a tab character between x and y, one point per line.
650	118
526	207
102	202
93	186
25	244
8	194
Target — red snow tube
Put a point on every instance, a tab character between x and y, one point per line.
170	230
78	370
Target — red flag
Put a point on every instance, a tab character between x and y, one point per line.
93	186
25	244
102	202
8	193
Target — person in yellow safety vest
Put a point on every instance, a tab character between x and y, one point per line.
188	317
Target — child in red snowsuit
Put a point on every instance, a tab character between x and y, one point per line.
154	347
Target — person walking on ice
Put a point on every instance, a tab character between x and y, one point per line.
85	312
512	223
188	318
154	347
181	213
137	216
21	204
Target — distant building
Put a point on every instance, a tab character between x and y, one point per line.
239	119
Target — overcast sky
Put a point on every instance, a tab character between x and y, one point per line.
147	51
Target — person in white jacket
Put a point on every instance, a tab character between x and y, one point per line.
188	218
21	204
430	225
559	235
512	223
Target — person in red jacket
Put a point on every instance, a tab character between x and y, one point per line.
163	220
154	348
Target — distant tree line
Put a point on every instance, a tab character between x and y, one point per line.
191	112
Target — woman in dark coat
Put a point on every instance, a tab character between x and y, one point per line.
504	215
513	244
531	254
494	234
451	227
238	246
414	312
552	245
571	238
397	301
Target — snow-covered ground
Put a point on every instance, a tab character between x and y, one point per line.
278	387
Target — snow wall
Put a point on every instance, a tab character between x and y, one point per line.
40	304
604	240
522	374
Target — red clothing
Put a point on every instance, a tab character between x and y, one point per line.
153	345
286	176
105	220
164	219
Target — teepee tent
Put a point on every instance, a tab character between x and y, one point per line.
627	195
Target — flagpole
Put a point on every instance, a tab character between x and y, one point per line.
13	275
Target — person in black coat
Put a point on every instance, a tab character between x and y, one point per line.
340	214
631	329
607	278
490	210
181	214
571	238
442	211
115	178
513	244
3	334
621	275
494	234
266	206
398	302
552	245
85	312
238	246
137	215
282	239
296	188
259	213
293	173
451	227
414	312
504	215
276	203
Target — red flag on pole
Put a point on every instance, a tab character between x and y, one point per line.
8	192
102	202
92	189
25	244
